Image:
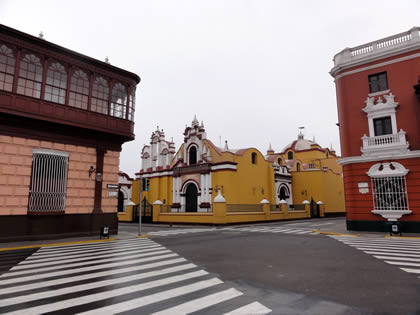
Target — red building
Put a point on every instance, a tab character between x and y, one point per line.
378	96
63	119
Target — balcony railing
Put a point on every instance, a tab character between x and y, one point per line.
392	143
384	44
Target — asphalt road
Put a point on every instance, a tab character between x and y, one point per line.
276	268
301	273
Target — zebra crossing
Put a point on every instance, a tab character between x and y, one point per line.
137	275
250	229
403	253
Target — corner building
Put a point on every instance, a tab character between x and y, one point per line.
378	97
63	119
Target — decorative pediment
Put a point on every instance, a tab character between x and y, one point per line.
379	104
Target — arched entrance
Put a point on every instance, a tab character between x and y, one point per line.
284	193
191	194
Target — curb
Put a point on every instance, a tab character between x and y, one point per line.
333	233
56	244
405	237
143	236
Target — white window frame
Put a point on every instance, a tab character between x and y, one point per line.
46	196
381	110
387	203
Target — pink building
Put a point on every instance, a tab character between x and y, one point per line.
64	117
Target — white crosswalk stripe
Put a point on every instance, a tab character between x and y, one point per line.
114	277
259	229
397	252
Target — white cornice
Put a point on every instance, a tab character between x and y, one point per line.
381	64
363	159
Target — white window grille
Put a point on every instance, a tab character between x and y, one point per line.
49	181
389	190
390	193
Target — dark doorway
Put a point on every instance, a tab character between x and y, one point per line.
284	193
193	155
191	198
120	201
314	209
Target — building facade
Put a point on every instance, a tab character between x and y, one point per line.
377	88
186	181
64	117
316	175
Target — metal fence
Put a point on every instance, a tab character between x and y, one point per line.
169	209
275	207
297	207
244	208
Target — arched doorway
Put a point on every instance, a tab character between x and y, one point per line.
284	193
191	194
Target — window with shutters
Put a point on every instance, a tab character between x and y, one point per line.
48	182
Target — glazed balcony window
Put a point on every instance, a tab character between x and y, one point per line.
79	90
7	68
119	101
56	84
132	105
30	76
100	96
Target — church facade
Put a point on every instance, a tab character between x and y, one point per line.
184	183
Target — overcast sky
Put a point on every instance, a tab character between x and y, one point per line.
253	71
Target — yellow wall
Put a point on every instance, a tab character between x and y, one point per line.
250	184
321	186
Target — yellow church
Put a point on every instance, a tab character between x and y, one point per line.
203	183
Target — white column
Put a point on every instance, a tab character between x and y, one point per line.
174	189
209	185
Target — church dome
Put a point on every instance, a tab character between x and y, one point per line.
300	144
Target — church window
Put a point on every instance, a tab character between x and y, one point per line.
254	158
298	167
79	90
7	68
30	76
290	155
192	155
56	85
279	161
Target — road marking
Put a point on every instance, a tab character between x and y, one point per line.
60	281
80	264
200	303
401	252
92	285
79	289
153	298
107	294
253	308
84	269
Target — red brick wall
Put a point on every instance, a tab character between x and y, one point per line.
353	89
359	206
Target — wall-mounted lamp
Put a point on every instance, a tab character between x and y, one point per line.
91	170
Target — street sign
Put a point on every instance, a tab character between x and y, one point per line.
112	186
